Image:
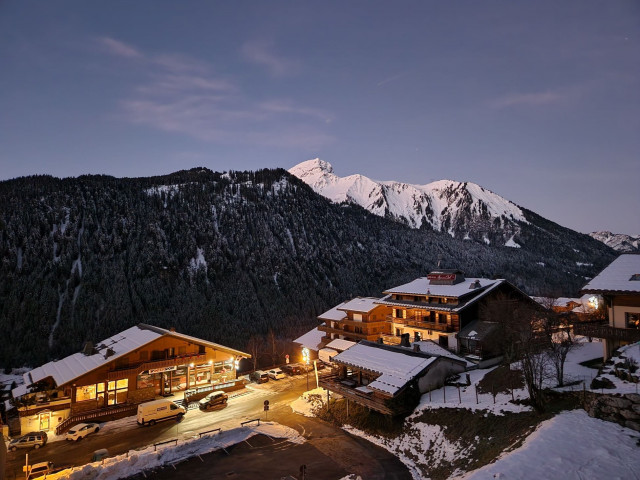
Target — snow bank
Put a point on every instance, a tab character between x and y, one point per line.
570	446
136	461
309	401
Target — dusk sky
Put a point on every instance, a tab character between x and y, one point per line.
538	101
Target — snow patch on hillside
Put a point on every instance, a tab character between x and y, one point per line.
443	204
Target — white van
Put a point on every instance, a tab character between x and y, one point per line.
157	410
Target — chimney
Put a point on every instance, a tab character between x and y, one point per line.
87	348
404	340
172	329
416	347
474	285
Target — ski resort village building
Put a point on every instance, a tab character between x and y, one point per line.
115	375
444	307
619	285
389	378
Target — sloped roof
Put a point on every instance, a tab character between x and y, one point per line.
478	330
359	304
396	368
617	277
65	370
334	313
340	344
476	294
311	339
69	368
422	286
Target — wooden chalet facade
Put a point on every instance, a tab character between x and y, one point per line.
358	319
619	285
115	375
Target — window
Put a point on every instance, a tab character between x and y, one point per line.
632	320
86	392
417	337
442	318
201	349
117	391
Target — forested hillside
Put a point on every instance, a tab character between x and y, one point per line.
223	257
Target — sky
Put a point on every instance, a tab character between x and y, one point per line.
536	101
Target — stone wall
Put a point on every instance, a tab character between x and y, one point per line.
621	409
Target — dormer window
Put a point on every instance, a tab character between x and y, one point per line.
635	277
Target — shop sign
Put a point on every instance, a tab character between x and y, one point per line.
162	370
441	276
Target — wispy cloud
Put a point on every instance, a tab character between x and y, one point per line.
262	53
528	99
118	48
392	78
180	94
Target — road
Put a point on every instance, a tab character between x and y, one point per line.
333	447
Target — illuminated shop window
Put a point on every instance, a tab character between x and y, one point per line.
86	392
117	391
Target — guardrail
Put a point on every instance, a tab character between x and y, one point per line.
249	421
217	430
156	445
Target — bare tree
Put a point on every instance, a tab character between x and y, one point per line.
253	347
559	339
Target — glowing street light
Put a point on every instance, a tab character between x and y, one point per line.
305	357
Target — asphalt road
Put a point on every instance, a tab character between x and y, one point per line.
328	448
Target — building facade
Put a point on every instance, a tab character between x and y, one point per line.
361	318
619	285
134	366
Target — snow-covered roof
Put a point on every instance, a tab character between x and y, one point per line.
69	368
359	304
476	294
311	339
340	344
334	313
422	286
432	348
622	275
65	370
397	368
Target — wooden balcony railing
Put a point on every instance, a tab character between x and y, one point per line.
418	323
606	331
348	333
337	385
141	367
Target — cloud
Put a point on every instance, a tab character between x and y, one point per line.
261	53
118	48
183	95
392	78
528	99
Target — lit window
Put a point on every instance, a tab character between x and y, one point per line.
86	392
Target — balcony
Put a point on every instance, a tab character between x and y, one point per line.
365	325
417	323
348	333
608	332
347	388
151	364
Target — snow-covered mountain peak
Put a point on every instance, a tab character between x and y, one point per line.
619	241
460	208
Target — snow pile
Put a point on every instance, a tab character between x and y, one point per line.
420	447
628	356
309	402
570	446
448	397
137	461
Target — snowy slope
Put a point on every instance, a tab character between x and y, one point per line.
618	241
462	209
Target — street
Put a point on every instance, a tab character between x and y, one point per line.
333	447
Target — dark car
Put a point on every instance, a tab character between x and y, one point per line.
292	369
214	401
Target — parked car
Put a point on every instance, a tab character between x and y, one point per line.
99	455
276	374
214	401
81	430
38	469
259	376
157	410
292	369
29	440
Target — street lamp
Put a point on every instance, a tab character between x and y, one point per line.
305	357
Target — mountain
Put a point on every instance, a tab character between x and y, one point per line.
619	241
461	209
225	256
